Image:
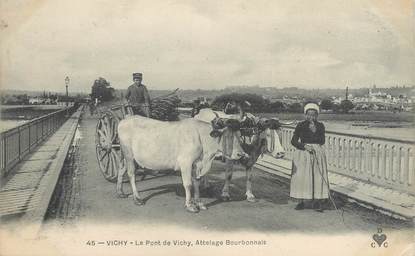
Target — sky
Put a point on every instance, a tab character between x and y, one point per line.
193	44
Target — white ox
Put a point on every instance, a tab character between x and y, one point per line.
267	141
184	145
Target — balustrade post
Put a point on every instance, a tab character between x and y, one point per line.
18	141
406	170
354	155
346	154
334	150
384	153
390	163
3	140
338	153
360	157
369	157
328	148
377	160
30	142
412	170
398	164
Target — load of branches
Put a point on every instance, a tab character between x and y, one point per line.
165	108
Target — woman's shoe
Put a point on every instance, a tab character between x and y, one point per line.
299	206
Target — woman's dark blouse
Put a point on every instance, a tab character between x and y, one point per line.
303	135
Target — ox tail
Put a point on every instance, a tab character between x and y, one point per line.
122	157
122	163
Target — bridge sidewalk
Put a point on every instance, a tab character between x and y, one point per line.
26	192
385	200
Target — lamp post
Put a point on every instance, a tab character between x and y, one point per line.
67	83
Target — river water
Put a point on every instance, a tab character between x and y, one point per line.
15	115
406	132
8	124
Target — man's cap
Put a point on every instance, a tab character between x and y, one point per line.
137	75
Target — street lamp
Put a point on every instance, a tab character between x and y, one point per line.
67	83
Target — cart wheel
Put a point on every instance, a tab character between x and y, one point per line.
108	148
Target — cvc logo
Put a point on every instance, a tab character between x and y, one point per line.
380	239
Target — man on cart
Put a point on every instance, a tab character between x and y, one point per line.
138	97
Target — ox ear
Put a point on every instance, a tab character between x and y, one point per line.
218	123
262	123
215	133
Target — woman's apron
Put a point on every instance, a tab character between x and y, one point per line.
309	179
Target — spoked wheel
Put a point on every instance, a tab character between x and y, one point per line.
108	148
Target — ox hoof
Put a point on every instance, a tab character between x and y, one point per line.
192	208
226	198
122	195
202	206
138	201
251	199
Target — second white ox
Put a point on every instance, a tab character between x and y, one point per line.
266	140
184	145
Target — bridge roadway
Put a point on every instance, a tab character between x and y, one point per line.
26	191
164	198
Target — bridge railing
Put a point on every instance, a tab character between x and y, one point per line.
381	161
19	141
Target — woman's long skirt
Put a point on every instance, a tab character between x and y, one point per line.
309	178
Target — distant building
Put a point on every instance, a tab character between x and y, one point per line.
36	101
337	100
65	101
49	101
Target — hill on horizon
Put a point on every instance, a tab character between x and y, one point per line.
272	93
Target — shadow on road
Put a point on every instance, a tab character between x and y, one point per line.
163	189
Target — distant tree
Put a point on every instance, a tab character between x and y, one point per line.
295	107
53	96
258	103
12	100
345	106
326	104
277	106
102	90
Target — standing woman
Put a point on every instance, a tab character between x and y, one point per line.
309	180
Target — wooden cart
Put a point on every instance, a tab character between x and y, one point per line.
107	143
